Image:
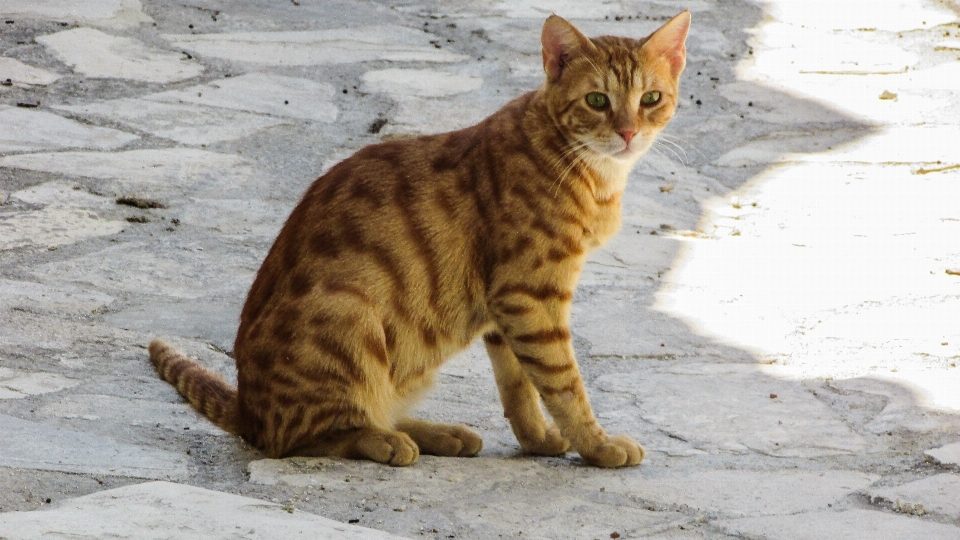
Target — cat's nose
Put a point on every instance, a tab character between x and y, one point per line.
627	135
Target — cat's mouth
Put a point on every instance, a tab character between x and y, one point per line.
616	148
632	150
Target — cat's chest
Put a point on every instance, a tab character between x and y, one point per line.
602	224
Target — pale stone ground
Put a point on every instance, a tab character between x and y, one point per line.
778	321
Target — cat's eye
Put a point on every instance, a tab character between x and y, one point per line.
650	98
597	100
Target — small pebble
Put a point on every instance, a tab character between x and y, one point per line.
773	396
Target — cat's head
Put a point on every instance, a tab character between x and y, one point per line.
612	95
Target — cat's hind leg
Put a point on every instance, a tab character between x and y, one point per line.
442	439
521	402
390	447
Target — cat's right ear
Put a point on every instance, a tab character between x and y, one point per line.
561	42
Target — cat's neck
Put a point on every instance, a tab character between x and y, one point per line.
612	175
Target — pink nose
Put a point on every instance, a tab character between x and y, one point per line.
627	135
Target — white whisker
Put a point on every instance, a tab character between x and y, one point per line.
675	145
671	150
676	139
578	156
672	164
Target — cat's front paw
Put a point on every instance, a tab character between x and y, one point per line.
551	443
390	447
616	451
450	440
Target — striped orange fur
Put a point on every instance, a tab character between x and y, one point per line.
404	253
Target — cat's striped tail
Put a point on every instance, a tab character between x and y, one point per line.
205	390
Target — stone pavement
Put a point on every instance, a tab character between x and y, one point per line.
778	321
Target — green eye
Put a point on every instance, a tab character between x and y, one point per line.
650	98
597	100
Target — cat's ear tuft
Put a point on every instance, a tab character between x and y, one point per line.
669	42
561	42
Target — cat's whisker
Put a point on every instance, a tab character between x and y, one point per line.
671	150
574	151
670	161
562	156
565	173
675	139
673	144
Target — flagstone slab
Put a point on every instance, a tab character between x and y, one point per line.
571	9
923	96
177	417
237	217
263	93
418	82
186	123
34	445
27	130
168	511
917	399
57	297
104	13
24	75
736	408
896	15
99	55
939	495
319	47
15	384
849	525
486	497
946	455
753	493
61	194
131	268
211	321
156	172
835	53
68	216
51	227
428	116
876	146
619	322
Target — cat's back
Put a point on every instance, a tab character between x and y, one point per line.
438	191
429	163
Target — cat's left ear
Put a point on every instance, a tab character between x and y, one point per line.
561	43
669	42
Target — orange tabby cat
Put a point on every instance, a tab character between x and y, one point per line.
404	253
